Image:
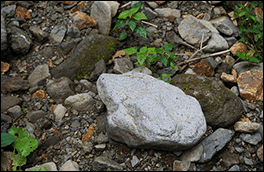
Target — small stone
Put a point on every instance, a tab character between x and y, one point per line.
82	20
192	154
251	138
4	67
86	137
69	166
228	78
57	34
100	147
135	161
181	165
23	12
102	163
250	84
238	47
39	74
87	147
246	127
59	112
40	94
203	68
260	153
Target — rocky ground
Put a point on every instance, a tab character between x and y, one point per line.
38	37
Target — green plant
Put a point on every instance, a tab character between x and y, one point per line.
41	168
251	30
131	22
187	87
22	143
165	77
147	55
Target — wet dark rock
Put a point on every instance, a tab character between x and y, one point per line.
15	112
14	84
3	34
59	89
38	33
52	140
33	116
8	11
221	106
103	163
87	53
8	101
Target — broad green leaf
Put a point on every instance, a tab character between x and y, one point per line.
140	16
159	50
141	57
133	11
23	143
6	139
137	5
132	24
119	23
151	50
143	49
123	15
164	60
18	160
153	58
253	59
168	47
131	50
141	31
242	13
122	36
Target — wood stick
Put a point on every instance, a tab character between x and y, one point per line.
194	54
185	43
149	24
202	57
202	42
123	6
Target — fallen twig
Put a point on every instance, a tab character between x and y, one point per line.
202	42
185	43
127	4
194	54
149	24
202	57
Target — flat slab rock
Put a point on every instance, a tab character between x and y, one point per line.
145	112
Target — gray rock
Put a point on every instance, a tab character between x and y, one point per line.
215	142
248	161
149	13
234	89
39	74
191	30
57	34
101	13
221	106
8	101
245	66
216	43
135	161
193	154
122	65
229	159
73	32
234	168
231	40
213	62
80	102
70	166
88	52
50	166
38	33
87	147
114	7
8	11
224	25
60	89
33	116
181	165
15	112
173	4
100	147
152	4
20	40
65	47
100	68
190	71
144	70
102	138
59	112
166	12
3	34
102	163
135	104
251	138
260	130
88	85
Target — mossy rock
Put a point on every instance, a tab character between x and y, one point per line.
87	53
221	107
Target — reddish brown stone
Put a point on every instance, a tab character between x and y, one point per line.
68	2
260	153
160	2
86	137
4	67
238	47
23	12
82	20
171	18
250	84
246	127
203	68
40	94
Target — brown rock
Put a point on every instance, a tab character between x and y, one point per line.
238	47
23	12
160	2
250	84
228	78
171	18
200	16
260	153
4	67
86	137
68	2
246	127
259	14
14	84
203	68
82	20
79	6
40	94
